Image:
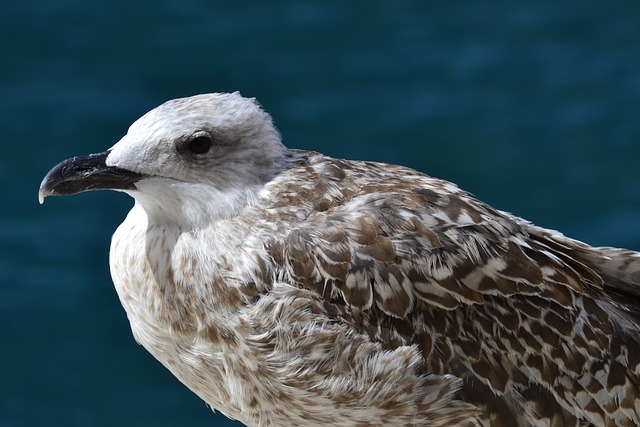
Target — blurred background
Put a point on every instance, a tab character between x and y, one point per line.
533	106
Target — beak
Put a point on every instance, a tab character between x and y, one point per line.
84	173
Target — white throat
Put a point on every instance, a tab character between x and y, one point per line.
189	206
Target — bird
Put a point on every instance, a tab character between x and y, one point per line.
286	287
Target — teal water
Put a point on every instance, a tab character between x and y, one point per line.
532	106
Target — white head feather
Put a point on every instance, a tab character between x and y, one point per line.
193	189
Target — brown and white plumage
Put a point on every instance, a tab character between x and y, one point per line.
285	287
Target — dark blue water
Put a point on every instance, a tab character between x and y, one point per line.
534	106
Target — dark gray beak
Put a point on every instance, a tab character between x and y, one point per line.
84	173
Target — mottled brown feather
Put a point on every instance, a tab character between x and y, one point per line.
527	303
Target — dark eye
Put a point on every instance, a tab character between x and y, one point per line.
199	144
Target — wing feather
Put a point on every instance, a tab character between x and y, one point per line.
509	307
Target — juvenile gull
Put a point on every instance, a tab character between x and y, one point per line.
289	288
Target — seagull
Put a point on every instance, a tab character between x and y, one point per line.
288	288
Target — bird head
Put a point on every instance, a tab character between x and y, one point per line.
202	156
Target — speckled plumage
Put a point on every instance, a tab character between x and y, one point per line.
285	287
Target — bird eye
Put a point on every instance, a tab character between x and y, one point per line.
200	144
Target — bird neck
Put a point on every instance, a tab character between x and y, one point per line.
189	207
